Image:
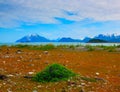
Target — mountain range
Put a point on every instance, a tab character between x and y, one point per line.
38	38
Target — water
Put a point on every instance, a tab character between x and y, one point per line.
61	43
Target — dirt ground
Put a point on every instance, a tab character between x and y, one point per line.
16	63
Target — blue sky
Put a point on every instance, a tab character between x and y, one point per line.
58	18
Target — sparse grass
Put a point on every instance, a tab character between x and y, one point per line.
36	47
118	46
21	46
62	46
72	46
51	46
89	79
43	47
109	48
90	48
54	73
5	46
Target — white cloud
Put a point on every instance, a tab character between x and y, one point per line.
12	12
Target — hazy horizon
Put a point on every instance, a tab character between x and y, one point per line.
58	18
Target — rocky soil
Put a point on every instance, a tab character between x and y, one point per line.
18	65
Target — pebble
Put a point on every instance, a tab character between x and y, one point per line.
18	60
30	72
28	77
4	62
8	90
71	83
83	84
79	86
45	52
97	74
39	86
35	91
40	56
6	56
2	77
4	83
18	51
10	75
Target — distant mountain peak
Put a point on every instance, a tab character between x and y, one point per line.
100	37
30	35
68	39
108	37
33	38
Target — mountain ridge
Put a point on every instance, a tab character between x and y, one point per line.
37	38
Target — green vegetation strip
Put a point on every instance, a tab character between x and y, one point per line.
73	47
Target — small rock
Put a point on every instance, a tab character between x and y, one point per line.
39	86
97	74
30	73
18	51
4	62
79	86
28	77
71	83
46	87
4	83
35	91
83	84
10	75
40	56
21	57
9	90
18	60
45	52
81	90
6	56
2	77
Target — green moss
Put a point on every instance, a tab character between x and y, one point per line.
54	73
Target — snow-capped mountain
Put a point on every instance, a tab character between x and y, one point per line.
37	38
33	38
109	38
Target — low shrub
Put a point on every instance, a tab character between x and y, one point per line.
54	73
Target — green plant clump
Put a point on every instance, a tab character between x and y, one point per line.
54	73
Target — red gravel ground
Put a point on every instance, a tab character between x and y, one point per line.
94	64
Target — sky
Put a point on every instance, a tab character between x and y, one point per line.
58	18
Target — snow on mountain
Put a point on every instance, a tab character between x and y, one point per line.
37	38
33	38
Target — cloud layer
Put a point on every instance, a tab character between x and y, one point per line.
14	13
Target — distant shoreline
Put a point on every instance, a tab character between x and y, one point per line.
60	43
